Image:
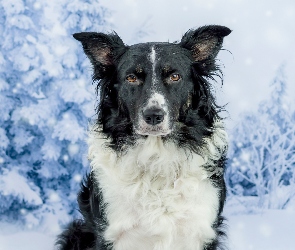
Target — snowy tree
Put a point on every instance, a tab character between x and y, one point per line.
46	100
262	159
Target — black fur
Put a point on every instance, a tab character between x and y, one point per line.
192	106
86	233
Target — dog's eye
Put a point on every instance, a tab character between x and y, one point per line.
175	77
131	78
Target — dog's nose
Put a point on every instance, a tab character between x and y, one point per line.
153	116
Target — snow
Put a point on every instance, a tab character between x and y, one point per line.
68	128
3	139
46	100
26	240
12	183
271	230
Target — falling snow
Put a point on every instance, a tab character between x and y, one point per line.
47	99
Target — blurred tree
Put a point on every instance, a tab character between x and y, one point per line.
262	158
45	103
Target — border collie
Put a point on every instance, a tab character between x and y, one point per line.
158	148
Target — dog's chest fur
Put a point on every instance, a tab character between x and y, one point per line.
157	196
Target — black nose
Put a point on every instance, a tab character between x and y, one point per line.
153	116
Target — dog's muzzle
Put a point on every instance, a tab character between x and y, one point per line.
153	121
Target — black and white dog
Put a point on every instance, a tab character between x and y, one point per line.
157	150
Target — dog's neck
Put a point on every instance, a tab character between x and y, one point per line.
156	190
153	157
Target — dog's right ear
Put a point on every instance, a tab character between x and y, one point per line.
102	50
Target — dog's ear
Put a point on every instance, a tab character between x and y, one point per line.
102	50
205	42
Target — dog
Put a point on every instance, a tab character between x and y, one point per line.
157	149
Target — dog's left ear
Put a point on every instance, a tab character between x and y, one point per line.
102	50
205	42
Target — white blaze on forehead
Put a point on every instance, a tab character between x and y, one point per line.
152	58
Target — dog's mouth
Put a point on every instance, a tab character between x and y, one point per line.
154	118
152	130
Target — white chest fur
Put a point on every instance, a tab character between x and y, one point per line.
158	196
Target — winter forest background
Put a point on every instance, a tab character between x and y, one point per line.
47	100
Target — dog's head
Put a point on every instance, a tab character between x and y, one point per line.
155	89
